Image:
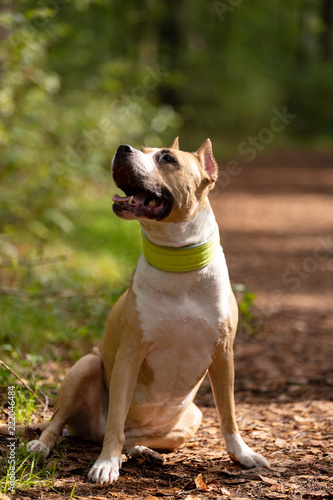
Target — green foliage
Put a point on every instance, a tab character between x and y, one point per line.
28	134
62	304
54	141
25	405
246	303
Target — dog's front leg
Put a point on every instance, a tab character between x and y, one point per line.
122	385
221	375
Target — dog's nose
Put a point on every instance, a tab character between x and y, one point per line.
124	149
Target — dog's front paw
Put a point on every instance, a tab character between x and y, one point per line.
38	447
242	453
105	471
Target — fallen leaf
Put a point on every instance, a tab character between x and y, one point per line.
51	464
267	480
301	420
228	472
274	494
74	467
277	487
224	491
319	494
313	451
200	484
94	497
281	443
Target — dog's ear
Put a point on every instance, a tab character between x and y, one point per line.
206	157
175	144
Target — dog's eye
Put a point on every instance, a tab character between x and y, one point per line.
168	158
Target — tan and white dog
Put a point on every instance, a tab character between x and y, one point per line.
177	321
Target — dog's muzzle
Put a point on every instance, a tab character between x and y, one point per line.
141	200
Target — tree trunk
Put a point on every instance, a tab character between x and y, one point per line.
327	35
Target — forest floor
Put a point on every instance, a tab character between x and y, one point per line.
276	222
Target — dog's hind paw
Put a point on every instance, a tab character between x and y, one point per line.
38	447
240	452
105	471
139	451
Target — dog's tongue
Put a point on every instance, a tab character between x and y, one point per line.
121	198
139	198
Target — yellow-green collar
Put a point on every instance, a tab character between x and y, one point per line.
183	259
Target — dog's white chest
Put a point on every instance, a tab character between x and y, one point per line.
180	316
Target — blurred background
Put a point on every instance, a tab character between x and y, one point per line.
80	77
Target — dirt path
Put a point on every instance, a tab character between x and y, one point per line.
276	220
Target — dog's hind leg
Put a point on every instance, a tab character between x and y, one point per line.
184	430
81	404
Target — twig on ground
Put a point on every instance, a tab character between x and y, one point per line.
22	381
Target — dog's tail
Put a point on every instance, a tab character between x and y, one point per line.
6	431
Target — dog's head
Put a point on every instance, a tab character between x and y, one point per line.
162	184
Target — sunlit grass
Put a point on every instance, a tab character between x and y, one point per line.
100	259
28	469
103	248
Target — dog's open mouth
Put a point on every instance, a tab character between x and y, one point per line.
139	202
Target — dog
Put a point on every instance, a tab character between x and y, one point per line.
175	323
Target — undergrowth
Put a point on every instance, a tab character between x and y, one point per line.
28	468
55	296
